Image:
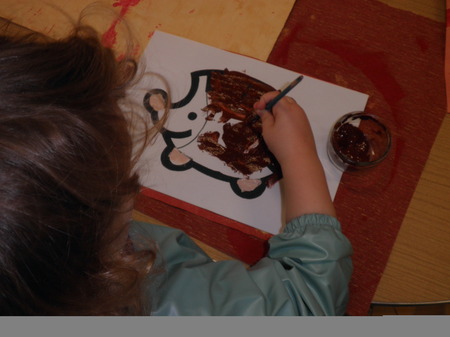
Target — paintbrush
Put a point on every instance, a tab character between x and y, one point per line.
273	101
283	93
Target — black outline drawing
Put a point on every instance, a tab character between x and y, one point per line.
168	135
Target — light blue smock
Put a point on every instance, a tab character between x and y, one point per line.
306	272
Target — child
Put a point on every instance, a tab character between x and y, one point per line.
67	245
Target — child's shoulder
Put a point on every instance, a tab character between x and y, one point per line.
147	228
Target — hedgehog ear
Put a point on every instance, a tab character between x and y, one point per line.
155	100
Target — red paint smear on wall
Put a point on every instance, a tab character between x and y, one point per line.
109	38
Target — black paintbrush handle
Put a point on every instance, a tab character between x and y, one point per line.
272	102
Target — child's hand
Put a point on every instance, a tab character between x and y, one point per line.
288	135
287	131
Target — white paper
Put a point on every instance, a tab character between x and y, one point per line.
175	58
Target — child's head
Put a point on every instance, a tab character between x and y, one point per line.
66	172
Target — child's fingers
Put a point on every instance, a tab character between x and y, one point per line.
266	117
286	104
264	99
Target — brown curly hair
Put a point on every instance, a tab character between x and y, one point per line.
66	172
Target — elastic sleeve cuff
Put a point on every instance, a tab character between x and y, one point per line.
298	224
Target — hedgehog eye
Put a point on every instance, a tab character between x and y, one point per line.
192	116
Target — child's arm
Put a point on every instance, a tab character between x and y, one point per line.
308	266
288	135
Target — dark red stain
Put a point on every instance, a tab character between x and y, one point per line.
423	44
374	65
448	17
287	37
109	38
38	12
